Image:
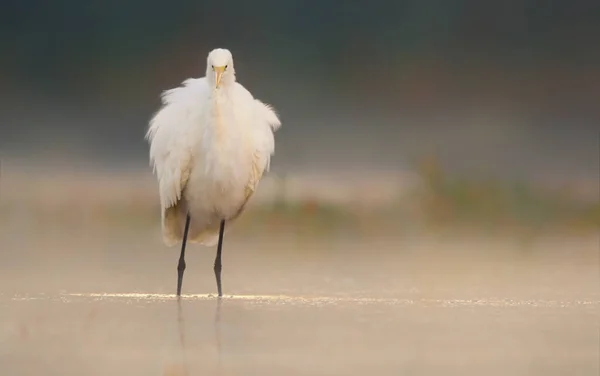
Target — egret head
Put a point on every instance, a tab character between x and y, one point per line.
219	68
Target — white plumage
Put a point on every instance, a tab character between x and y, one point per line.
210	143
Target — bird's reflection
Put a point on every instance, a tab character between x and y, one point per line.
179	368
182	369
218	333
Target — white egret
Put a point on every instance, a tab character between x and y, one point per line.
210	143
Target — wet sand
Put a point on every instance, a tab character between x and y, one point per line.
105	306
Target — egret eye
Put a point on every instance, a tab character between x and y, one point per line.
226	67
213	67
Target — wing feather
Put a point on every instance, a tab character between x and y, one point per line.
267	122
169	134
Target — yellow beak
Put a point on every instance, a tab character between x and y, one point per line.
218	74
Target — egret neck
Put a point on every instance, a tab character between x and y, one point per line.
219	99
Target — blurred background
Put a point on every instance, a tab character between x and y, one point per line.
430	149
373	97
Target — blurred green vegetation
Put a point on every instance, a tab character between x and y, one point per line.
489	204
439	203
300	218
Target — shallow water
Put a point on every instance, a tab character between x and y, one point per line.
107	308
138	334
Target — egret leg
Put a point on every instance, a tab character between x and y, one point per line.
181	263
218	258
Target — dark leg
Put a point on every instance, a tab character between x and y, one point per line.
181	264
218	259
